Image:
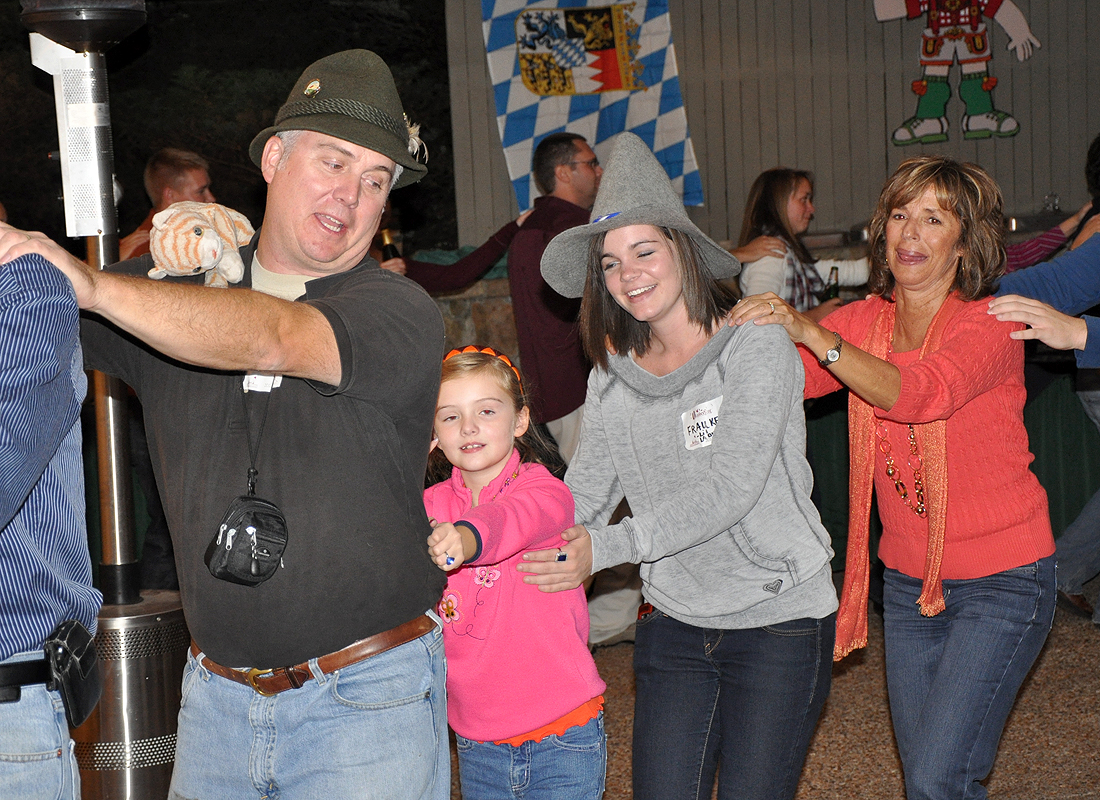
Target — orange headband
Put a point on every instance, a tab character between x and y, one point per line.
471	348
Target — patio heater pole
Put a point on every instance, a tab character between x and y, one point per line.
127	747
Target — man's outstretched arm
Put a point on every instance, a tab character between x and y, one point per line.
221	329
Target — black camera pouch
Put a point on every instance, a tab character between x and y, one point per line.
248	547
74	670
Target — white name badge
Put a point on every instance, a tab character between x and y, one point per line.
700	422
261	383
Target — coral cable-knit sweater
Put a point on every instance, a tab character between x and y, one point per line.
517	658
997	514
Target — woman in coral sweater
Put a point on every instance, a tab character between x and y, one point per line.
936	427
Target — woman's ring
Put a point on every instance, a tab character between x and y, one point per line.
450	559
561	556
772	306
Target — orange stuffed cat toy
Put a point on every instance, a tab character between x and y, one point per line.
189	238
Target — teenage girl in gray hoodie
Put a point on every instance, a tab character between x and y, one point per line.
700	427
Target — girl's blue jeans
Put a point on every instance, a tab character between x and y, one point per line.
571	765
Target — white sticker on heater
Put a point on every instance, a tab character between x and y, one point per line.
88	115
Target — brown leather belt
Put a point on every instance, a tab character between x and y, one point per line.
272	681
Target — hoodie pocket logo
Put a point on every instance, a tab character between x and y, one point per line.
774	586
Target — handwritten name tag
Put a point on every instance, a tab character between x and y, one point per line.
700	422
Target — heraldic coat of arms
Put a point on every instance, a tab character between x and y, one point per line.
566	51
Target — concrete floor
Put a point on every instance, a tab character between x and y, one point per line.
1050	749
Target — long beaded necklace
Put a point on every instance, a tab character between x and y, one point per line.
914	461
915	464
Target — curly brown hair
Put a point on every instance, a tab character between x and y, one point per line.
964	190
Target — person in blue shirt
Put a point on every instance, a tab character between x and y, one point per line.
1047	297
45	569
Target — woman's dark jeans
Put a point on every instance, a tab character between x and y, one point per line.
745	699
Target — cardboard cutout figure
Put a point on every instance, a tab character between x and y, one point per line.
956	32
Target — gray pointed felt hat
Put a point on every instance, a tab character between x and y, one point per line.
634	190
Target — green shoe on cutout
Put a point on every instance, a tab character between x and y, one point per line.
991	123
918	130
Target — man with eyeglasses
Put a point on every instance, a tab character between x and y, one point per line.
567	173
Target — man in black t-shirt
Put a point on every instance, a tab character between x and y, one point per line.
327	677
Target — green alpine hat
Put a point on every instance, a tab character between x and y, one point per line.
352	96
634	190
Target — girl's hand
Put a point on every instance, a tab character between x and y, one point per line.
447	546
1052	328
769	309
1070	224
394	265
550	573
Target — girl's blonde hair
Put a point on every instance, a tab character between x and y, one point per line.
533	445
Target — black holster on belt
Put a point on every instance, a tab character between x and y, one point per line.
74	670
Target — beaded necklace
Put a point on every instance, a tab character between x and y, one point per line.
915	464
914	461
503	486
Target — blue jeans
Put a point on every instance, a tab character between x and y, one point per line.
376	729
953	678
36	753
1079	545
568	766
746	698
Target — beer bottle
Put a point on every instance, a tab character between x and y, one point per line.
389	249
832	286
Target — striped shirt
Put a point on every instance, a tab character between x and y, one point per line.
1032	251
45	570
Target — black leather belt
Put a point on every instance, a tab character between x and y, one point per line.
19	674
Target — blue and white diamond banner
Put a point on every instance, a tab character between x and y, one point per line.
597	70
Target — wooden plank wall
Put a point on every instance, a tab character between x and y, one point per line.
819	85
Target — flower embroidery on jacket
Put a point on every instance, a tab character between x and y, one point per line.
486	576
448	608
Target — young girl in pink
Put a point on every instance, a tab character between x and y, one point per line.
523	694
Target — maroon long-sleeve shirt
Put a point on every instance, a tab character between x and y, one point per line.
555	371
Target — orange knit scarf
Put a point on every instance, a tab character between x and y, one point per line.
851	623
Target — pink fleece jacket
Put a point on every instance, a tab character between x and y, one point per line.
517	658
997	515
